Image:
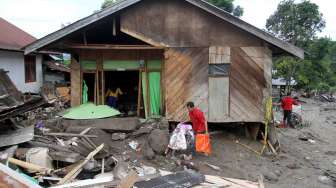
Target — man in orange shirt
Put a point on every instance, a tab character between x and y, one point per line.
287	103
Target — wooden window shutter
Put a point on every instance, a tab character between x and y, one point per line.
30	68
219	83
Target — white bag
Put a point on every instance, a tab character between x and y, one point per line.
178	141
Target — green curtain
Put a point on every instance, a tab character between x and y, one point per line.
85	93
155	93
154	79
144	91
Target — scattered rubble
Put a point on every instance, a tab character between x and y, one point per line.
42	147
158	140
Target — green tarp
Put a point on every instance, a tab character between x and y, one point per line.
90	111
154	79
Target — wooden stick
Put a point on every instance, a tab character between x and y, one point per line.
70	134
139	93
248	147
261	181
272	148
269	144
30	166
75	171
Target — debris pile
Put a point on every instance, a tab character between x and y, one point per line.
44	144
81	155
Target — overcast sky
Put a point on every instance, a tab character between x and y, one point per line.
41	17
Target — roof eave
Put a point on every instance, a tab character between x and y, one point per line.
294	50
77	25
287	47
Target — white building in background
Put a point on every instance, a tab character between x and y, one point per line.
24	71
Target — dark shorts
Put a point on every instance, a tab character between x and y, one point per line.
287	116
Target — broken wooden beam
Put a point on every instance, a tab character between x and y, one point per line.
69	135
69	157
30	166
78	168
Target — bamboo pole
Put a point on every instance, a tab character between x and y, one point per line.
30	166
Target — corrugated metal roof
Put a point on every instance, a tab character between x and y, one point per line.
12	37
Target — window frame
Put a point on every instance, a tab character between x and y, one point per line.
30	68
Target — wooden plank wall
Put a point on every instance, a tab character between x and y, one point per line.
250	83
76	86
219	91
176	23
121	54
186	79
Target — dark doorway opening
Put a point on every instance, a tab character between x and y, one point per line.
89	79
128	83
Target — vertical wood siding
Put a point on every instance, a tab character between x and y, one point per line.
186	79
249	83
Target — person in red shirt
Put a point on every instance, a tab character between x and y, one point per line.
199	124
197	119
287	103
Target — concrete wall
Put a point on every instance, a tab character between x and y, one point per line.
13	62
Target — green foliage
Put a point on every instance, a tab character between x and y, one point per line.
107	3
228	6
316	72
296	23
287	68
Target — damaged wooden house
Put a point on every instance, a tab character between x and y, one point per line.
162	54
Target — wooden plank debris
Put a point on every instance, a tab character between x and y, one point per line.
30	166
12	179
12	137
129	180
69	157
100	182
261	181
70	135
76	170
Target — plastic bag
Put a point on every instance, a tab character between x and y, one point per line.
178	141
203	144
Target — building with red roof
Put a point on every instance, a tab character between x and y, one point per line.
24	70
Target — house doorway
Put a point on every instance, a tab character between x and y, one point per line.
89	80
124	86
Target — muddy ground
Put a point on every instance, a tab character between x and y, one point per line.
299	165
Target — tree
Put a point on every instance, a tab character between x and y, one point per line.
107	3
296	23
286	67
228	6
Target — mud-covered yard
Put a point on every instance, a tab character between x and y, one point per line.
300	164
